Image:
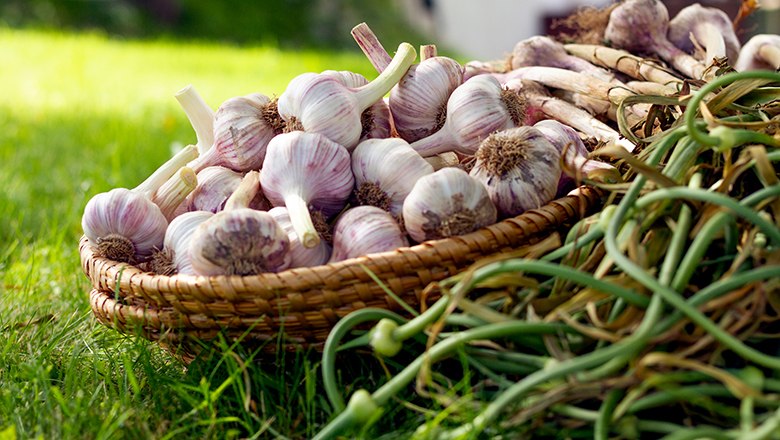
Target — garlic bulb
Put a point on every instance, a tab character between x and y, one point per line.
174	258
303	169
240	240
544	51
126	225
641	26
698	27
300	256
364	230
385	171
760	52
447	203
322	104
475	109
200	115
418	102
576	163
519	168
376	121
243	126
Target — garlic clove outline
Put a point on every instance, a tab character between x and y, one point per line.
447	203
364	230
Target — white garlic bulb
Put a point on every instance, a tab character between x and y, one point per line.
174	258
240	240
447	203
300	256
709	28
364	230
519	168
760	52
385	171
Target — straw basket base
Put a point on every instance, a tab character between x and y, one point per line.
296	309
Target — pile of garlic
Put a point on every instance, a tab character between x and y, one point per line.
333	169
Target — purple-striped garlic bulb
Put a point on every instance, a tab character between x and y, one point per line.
385	171
698	27
307	169
376	121
174	258
127	225
322	104
478	107
239	240
447	203
418	102
300	256
576	164
364	230
215	185
519	168
243	126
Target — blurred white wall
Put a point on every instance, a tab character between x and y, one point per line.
488	29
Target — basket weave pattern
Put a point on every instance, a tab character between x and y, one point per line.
301	305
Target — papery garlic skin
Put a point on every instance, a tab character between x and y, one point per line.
364	230
123	225
175	256
240	241
475	109
321	104
303	169
385	171
418	102
300	256
447	203
519	168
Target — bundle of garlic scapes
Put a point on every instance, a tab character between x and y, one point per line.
332	145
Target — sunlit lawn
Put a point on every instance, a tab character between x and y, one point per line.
81	114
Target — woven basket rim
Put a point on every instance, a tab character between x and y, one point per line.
124	271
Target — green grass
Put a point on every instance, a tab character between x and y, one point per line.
79	115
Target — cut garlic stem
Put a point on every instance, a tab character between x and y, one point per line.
152	183
624	62
370	93
300	218
427	51
770	54
760	52
371	46
245	192
174	191
199	113
713	42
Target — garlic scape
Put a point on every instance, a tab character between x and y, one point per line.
364	230
519	168
300	256
447	203
760	52
239	240
704	32
321	104
385	171
200	115
304	169
243	126
641	26
575	162
126	225
475	109
418	102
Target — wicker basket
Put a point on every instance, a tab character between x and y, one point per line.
298	307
